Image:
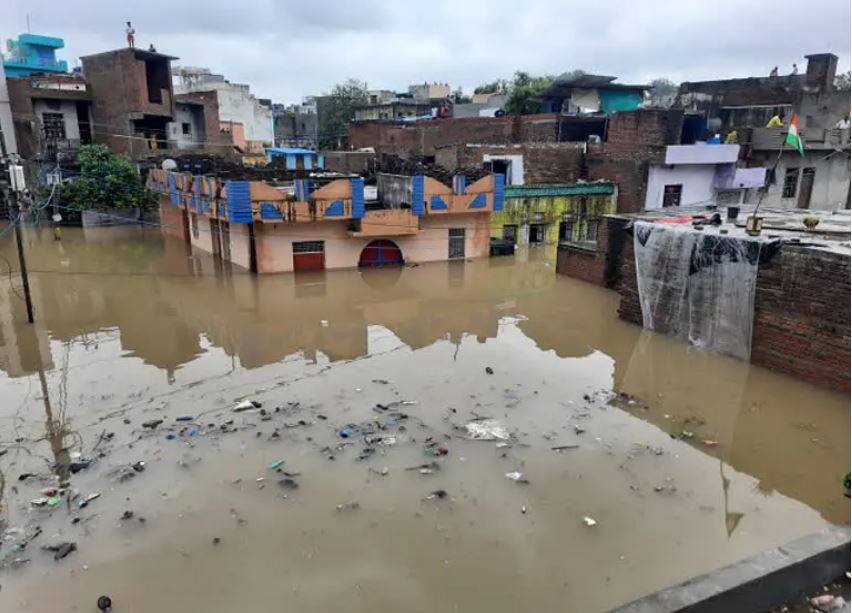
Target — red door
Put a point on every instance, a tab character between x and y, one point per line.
308	255
381	253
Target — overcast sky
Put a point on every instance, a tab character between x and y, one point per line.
286	50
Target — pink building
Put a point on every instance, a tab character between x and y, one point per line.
292	227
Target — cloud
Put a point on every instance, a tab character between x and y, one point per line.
286	50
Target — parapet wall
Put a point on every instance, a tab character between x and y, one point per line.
801	307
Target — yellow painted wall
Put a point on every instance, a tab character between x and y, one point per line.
521	211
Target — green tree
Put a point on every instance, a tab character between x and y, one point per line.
498	86
106	181
459	96
662	90
336	110
843	81
525	92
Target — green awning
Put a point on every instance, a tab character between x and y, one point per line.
565	189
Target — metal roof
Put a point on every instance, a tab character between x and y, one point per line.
289	151
562	87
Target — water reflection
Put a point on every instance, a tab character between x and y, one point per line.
168	307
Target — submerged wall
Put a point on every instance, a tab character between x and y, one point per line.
801	321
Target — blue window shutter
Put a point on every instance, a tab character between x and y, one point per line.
308	160
357	198
335	209
291	161
437	204
417	195
480	202
269	211
239	202
499	192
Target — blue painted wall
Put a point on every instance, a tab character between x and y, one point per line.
33	53
617	100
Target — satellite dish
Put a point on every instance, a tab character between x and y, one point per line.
168	164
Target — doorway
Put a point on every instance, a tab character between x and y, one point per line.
308	255
381	252
805	188
456	243
538	233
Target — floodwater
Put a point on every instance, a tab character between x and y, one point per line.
130	327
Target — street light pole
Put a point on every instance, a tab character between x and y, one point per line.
22	259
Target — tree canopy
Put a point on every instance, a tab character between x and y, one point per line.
106	181
843	81
524	93
336	110
662	90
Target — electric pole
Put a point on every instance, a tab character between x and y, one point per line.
16	174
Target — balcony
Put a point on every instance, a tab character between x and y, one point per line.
815	138
389	222
34	64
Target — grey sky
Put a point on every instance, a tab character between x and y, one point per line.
286	50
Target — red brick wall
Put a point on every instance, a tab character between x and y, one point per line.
584	264
801	316
424	136
600	265
543	164
801	313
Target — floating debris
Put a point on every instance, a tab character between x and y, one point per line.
589	521
246	405
275	465
348	506
517	477
486	430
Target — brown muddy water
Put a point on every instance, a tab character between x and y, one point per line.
131	328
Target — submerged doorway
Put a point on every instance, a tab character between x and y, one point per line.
381	252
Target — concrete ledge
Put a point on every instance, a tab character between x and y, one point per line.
757	583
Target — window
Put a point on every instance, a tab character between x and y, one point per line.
566	229
510	232
185	128
671	195
791	182
456	246
308	247
54	125
592	230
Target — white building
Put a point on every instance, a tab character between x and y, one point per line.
700	174
249	122
6	125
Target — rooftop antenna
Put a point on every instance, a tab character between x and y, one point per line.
28	24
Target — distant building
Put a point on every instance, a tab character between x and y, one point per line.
133	101
397	110
52	113
295	125
429	91
591	94
380	96
818	180
246	119
483	105
700	175
8	143
33	53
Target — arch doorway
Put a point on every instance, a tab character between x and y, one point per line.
381	252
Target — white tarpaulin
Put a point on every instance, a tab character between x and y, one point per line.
698	286
586	99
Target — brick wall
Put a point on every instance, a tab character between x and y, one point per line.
801	311
581	263
635	139
543	163
424	137
801	316
600	265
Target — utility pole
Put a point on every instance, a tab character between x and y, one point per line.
16	174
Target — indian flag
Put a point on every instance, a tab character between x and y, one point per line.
793	139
